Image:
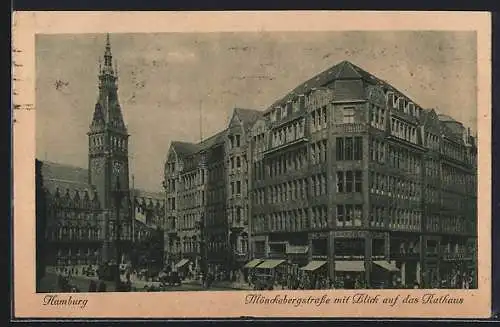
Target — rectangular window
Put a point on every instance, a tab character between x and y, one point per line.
348	181
340	148
340	213
358	181
358	213
238	162
325	117
232	187
358	147
373	145
381	152
348	148
348	213
348	115
237	141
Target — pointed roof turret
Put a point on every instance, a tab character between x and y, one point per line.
107	111
108	57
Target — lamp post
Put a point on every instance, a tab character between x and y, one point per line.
118	200
203	247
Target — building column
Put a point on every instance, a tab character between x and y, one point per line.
368	259
310	252
331	255
403	273
419	273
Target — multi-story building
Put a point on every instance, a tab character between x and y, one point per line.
207	198
195	193
353	177
345	177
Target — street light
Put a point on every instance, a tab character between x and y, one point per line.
203	248
118	200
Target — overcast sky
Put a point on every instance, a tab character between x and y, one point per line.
164	77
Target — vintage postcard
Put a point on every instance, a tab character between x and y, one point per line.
256	164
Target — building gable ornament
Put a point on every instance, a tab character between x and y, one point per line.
319	98
376	95
235	120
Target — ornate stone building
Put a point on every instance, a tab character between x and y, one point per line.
353	177
77	207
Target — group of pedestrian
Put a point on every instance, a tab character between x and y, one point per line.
97	287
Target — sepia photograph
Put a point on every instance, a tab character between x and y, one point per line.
344	181
256	161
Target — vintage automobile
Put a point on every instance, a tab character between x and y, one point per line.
169	279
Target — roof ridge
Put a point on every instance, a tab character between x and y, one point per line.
61	164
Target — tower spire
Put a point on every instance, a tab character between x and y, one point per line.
108	57
108	108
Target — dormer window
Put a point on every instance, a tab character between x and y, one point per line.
348	115
411	108
296	105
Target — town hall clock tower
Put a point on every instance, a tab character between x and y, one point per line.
108	151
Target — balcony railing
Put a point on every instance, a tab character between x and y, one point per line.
457	256
275	148
350	128
240	223
240	255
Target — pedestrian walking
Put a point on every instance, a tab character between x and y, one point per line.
102	286
60	282
92	286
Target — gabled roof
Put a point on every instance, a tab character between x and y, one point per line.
446	118
63	172
66	179
344	70
184	148
213	140
248	116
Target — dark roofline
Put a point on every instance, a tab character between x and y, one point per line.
363	74
59	164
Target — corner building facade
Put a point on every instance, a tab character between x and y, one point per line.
345	178
351	176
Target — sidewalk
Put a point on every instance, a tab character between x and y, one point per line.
137	283
222	284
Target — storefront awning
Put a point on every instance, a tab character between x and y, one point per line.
270	264
313	265
389	266
253	263
181	263
297	249
357	266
